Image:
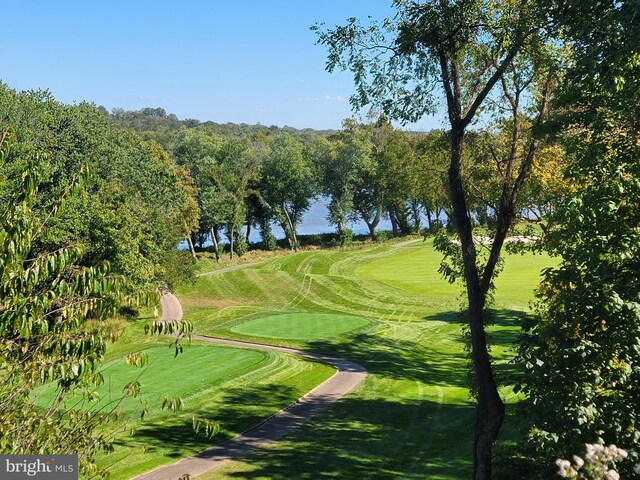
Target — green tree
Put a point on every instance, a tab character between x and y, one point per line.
238	166
394	160
196	150
363	173
467	49
340	160
132	208
54	307
369	193
51	330
429	178
581	354
288	184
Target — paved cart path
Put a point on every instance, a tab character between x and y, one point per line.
348	376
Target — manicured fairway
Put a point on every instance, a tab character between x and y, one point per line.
383	307
237	387
300	326
416	270
184	375
413	269
412	418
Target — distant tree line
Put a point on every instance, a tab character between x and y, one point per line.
253	177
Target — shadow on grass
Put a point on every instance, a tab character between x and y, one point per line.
503	329
429	362
372	439
398	359
500	317
238	410
502	332
453	317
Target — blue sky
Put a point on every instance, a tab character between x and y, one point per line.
250	61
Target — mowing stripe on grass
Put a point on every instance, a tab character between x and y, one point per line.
349	375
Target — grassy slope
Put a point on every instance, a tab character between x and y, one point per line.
235	386
412	418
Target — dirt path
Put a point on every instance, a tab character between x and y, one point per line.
347	377
408	242
228	269
245	265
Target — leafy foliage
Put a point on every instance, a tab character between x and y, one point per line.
288	184
581	353
589	325
87	232
51	330
132	208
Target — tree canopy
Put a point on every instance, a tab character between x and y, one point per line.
580	354
131	210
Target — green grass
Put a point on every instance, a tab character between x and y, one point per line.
416	272
237	387
166	375
381	306
412	418
207	262
412	271
300	326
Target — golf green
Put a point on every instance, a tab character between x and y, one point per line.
235	387
300	326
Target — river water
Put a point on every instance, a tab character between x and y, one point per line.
313	221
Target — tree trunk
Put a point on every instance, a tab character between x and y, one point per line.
287	234
451	221
193	250
490	409
372	230
293	239
403	223
427	210
231	235
249	222
394	221
373	223
214	240
415	213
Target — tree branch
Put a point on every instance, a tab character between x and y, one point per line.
515	48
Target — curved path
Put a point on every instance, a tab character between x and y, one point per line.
405	243
347	377
228	269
